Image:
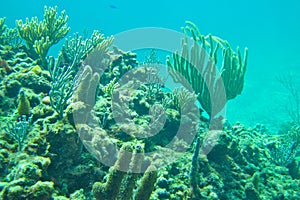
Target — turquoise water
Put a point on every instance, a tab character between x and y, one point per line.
270	29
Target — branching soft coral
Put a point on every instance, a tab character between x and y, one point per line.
40	36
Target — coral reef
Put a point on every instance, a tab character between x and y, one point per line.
92	124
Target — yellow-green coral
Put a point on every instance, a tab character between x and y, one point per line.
2	26
40	36
121	184
87	87
131	178
109	88
147	184
24	105
110	189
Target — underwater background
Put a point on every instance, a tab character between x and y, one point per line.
90	120
269	28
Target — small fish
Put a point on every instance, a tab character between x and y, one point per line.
113	6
